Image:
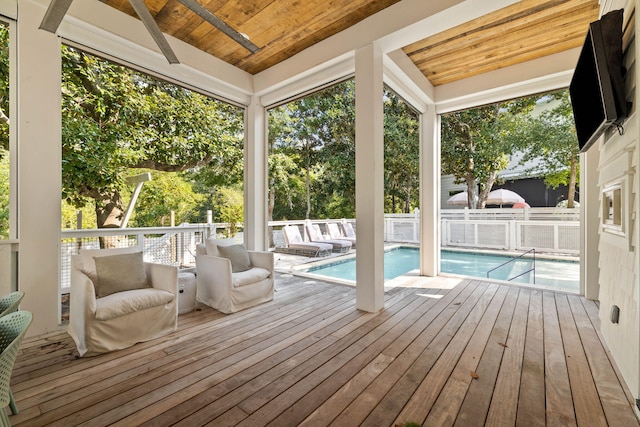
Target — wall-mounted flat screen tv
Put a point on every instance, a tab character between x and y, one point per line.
597	87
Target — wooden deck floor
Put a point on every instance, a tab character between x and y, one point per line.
451	352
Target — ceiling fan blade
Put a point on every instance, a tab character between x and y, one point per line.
205	14
54	14
154	30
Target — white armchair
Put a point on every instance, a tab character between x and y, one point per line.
101	323
220	288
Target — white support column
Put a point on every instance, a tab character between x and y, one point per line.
430	193
255	176
589	224
369	180
38	123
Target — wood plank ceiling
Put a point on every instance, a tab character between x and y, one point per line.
521	32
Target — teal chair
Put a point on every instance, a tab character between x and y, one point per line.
9	303
13	326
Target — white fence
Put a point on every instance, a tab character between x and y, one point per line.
545	229
526	214
544	236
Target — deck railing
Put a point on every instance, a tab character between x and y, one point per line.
176	245
163	245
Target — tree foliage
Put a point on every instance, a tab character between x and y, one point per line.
402	155
474	146
116	120
312	155
4	132
4	196
4	88
230	205
166	192
549	138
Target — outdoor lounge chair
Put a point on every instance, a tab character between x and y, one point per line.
334	233
297	246
315	235
347	229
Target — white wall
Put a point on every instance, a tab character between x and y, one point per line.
618	249
447	186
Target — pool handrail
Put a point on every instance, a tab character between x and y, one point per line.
513	259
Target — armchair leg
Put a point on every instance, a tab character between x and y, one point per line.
12	404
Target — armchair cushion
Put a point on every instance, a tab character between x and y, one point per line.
118	273
212	245
238	256
250	276
121	303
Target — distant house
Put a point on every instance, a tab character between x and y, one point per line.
516	178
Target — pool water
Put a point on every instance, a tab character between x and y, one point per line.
557	274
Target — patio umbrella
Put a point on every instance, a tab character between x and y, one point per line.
521	205
503	197
459	199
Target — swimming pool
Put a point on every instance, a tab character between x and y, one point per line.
557	274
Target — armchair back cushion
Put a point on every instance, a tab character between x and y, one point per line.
238	256
212	245
86	259
118	273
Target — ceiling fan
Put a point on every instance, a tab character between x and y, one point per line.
58	9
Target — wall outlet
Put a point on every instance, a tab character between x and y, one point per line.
615	314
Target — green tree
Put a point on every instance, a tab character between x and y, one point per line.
549	139
339	153
402	154
230	208
70	216
4	194
4	132
4	86
312	155
116	119
166	192
312	142
474	146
